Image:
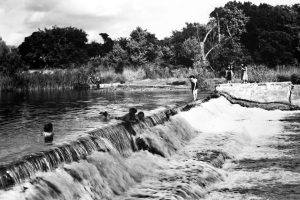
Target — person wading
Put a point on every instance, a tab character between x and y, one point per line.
244	76
194	86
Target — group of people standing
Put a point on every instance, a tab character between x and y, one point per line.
244	73
229	76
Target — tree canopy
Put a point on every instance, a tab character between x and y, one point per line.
237	32
55	47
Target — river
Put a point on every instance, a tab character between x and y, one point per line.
23	114
214	151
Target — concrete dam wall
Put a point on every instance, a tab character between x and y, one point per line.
282	92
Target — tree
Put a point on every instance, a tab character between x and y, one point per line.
10	59
187	35
108	44
271	34
94	49
230	22
191	49
142	47
118	58
55	47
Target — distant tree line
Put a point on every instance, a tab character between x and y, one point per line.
236	33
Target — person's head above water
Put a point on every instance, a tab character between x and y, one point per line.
48	127
141	115
105	113
132	110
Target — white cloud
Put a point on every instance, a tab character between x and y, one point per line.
19	18
36	17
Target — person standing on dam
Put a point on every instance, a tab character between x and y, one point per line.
229	73
194	86
244	74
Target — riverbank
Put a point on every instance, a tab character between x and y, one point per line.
80	78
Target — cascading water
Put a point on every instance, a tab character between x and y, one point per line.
216	150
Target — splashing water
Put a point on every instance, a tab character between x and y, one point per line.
214	151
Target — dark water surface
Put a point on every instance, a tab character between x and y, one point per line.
22	115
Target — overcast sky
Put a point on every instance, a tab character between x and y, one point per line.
19	18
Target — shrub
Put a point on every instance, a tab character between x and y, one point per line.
120	79
295	78
155	71
283	78
111	77
134	74
260	73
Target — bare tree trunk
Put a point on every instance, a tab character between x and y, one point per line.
219	31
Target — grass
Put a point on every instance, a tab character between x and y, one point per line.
58	78
260	73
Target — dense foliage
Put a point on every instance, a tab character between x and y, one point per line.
56	47
236	33
272	33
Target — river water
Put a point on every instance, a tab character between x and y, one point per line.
216	150
23	115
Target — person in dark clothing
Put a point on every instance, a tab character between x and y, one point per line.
129	117
229	74
105	115
194	86
48	133
141	116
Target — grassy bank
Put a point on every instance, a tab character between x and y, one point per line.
59	79
260	73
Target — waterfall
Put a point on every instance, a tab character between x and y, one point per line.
119	137
180	153
105	169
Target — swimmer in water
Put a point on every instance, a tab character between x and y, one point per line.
141	116
48	133
129	117
106	116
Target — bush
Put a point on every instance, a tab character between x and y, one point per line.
179	83
120	79
134	74
283	78
295	78
155	71
111	77
260	73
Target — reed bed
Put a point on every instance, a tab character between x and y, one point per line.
68	78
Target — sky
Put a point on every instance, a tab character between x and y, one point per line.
20	18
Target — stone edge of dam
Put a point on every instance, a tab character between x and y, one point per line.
268	92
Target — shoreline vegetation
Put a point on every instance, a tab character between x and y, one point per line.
263	37
79	78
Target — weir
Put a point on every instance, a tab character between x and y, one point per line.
124	138
271	95
171	155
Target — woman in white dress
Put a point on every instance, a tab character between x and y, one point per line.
244	76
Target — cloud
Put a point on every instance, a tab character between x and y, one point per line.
40	6
19	18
